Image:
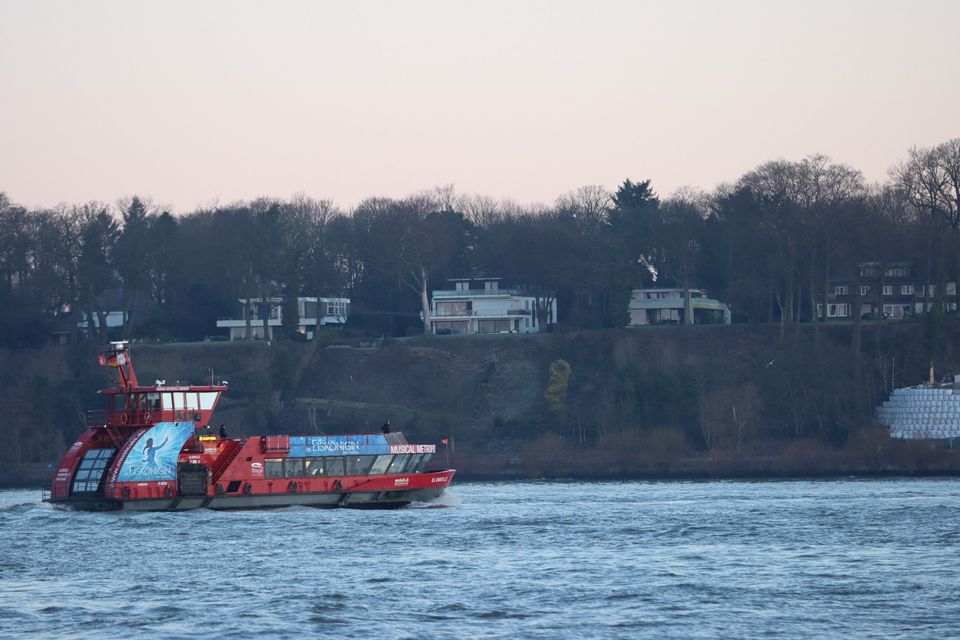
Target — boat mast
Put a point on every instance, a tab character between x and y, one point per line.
118	357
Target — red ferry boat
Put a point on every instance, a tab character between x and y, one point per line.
151	449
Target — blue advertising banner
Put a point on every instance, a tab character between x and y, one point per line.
362	445
154	456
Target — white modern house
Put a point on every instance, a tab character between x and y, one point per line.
312	312
479	305
667	306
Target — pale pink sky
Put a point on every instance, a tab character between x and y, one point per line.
192	102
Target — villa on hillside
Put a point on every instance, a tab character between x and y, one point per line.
115	307
479	305
312	312
892	288
666	306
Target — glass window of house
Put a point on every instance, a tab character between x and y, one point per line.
888	289
906	290
864	289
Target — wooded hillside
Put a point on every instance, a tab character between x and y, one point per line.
647	398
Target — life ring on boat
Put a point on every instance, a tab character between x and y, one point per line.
125	492
124	418
146	417
167	491
337	485
219	489
247	489
293	487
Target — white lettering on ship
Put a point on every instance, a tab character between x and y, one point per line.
335	447
413	448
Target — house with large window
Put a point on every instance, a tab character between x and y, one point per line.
311	312
668	306
479	305
891	288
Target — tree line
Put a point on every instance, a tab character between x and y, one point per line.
767	244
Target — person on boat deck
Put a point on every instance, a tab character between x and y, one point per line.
386	427
223	430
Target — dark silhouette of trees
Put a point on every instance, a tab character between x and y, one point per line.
770	245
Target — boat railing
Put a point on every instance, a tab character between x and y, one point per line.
97	417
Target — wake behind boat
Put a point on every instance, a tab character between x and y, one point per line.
151	449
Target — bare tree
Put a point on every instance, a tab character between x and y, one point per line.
931	179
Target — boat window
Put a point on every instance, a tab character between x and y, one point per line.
399	462
273	467
207	400
92	470
358	465
334	466
192	400
313	467
380	465
412	466
119	402
167	400
293	467
153	401
178	399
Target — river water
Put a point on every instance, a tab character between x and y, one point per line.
830	559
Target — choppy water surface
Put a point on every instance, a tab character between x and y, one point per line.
536	559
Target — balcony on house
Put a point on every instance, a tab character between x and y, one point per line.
480	305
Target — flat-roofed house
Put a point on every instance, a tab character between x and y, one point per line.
312	312
479	305
667	306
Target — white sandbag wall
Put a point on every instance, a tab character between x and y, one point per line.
922	413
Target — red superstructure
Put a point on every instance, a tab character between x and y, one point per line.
151	449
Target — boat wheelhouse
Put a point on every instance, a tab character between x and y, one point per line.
151	449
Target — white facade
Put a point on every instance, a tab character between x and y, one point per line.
479	305
312	312
666	306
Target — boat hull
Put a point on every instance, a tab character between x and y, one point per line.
351	500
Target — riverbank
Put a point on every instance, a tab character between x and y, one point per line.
668	402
